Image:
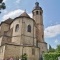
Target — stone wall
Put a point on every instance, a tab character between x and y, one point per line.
2	50
17	51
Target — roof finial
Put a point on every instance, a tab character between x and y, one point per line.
25	10
37	3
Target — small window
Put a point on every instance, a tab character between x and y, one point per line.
37	43
42	36
36	12
17	28
33	51
29	28
40	13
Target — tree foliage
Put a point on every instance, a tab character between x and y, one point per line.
2	5
24	56
53	54
58	49
51	49
1	1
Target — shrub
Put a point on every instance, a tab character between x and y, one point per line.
51	56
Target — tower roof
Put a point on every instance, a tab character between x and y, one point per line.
24	14
37	7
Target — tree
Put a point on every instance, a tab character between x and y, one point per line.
24	56
58	48
1	1
53	54
51	49
2	5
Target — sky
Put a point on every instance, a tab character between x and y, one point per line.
51	16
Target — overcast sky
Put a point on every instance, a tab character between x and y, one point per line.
51	16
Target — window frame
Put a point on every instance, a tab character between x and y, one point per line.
37	12
29	28
16	27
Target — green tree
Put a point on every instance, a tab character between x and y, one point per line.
58	49
24	56
1	1
2	5
51	49
53	54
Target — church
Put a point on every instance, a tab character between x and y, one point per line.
23	35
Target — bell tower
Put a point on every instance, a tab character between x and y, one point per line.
38	17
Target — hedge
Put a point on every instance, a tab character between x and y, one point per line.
51	56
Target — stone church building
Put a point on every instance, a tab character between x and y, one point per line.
23	35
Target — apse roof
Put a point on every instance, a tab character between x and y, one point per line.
24	14
9	21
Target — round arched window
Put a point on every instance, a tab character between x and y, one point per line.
17	28
29	28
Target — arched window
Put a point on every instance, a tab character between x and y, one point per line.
36	12
29	28
42	36
17	28
37	43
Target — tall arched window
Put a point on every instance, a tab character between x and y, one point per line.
29	28
17	28
36	12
